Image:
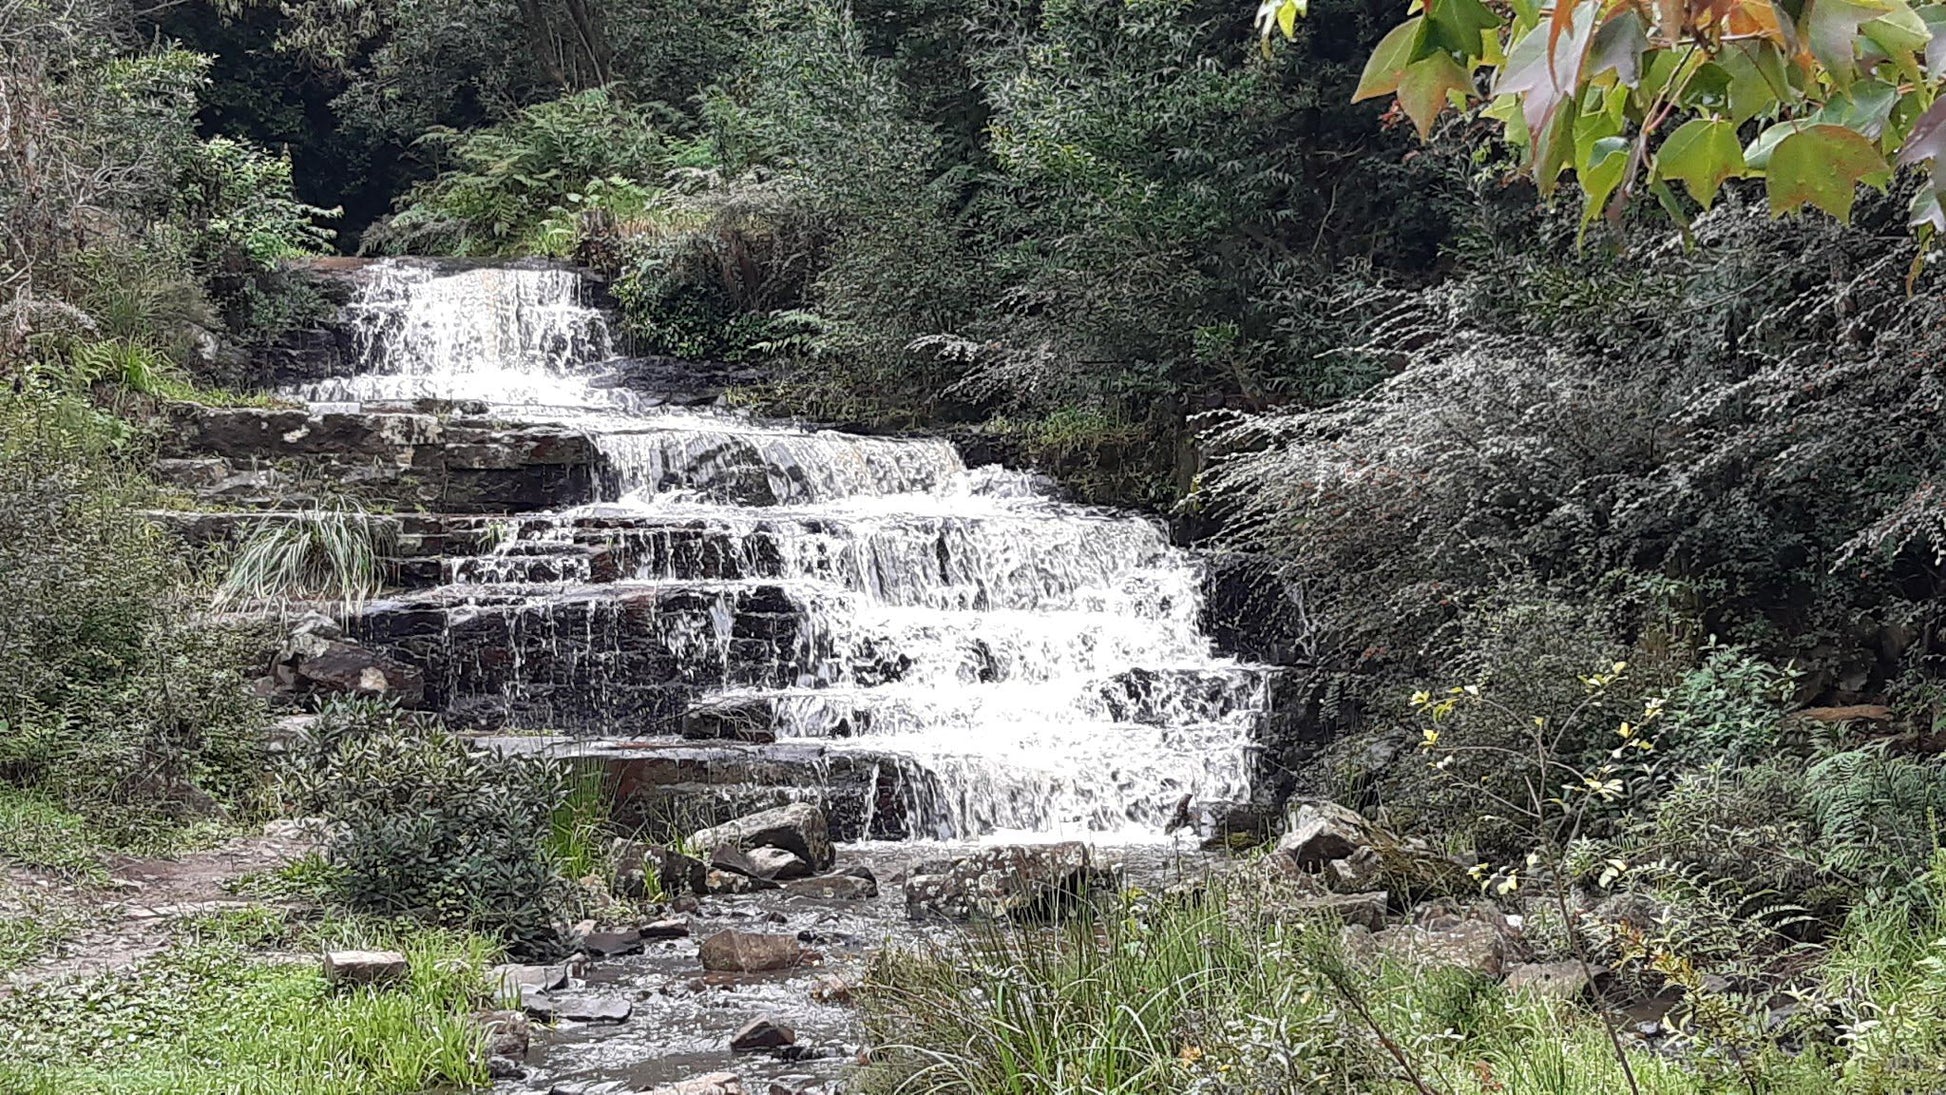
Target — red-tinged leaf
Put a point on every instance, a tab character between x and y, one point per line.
1927	138
1822	165
1424	88
1934	16
1544	68
1387	64
1703	153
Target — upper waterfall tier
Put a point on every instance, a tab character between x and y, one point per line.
1022	665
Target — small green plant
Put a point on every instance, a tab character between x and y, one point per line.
320	554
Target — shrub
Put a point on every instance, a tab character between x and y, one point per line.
427	827
317	554
111	692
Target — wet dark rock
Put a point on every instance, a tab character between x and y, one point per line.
311	664
834	887
364	967
1358	872
778	864
799	828
610	944
1018	882
667	928
751	952
796	1084
504	1068
760	1034
833	989
675	874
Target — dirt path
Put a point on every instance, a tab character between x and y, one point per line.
132	917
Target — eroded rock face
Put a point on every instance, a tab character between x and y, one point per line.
310	664
800	829
1471	945
674	873
760	1034
1016	882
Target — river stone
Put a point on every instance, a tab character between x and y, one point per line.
716	1083
1321	831
762	1033
834	887
1019	882
1565	981
778	864
312	664
750	952
364	967
799	828
734	882
576	1009
674	927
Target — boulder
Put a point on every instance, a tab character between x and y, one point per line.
1012	882
751	952
799	828
364	967
1471	945
312	664
1565	981
833	989
778	864
834	887
512	980
1321	831
675	874
761	1033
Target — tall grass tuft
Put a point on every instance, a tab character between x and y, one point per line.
333	555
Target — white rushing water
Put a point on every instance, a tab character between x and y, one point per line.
1051	675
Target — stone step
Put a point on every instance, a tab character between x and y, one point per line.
277	457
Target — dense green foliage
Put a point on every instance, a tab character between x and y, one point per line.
430	829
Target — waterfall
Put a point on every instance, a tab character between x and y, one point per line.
1029	666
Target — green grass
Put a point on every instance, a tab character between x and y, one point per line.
36	832
216	1015
33	930
1225	996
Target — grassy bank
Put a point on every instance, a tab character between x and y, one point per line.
237	1005
1224	994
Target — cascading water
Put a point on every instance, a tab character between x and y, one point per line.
1030	666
